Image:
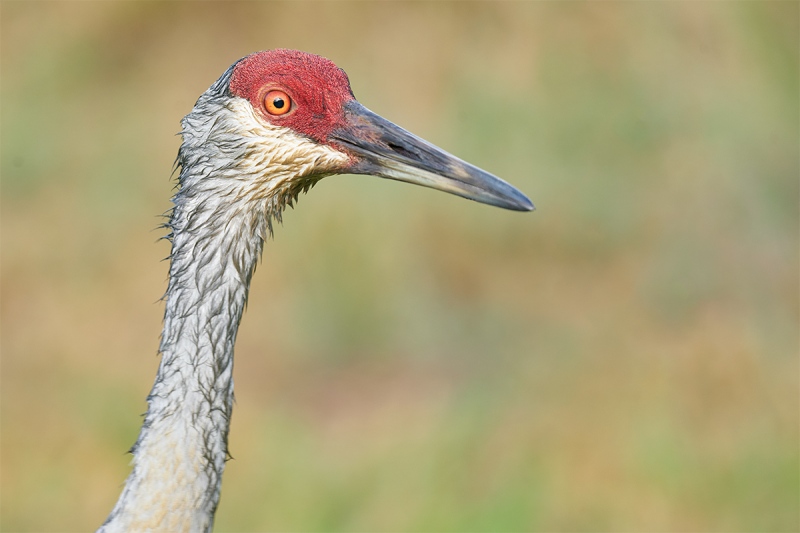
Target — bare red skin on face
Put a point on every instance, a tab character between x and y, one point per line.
317	87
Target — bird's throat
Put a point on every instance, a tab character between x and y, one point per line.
233	182
182	448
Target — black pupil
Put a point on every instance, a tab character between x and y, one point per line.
278	103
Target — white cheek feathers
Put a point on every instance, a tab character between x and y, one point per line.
277	156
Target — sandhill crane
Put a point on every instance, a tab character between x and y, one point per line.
269	128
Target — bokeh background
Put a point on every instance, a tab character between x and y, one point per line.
624	358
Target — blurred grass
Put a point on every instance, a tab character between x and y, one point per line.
625	358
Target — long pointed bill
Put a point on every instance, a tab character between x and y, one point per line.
381	148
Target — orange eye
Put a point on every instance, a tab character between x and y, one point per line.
277	103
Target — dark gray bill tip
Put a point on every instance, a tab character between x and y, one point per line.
518	201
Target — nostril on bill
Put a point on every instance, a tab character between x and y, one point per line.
403	151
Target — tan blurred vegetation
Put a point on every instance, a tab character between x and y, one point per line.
625	358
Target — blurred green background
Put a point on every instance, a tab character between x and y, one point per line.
624	358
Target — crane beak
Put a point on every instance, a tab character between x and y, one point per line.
380	148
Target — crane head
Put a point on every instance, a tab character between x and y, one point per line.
304	109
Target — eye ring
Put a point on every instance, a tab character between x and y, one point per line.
277	103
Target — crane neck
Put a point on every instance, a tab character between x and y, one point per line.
180	454
181	451
234	181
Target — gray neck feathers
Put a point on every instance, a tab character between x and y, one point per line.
217	234
237	174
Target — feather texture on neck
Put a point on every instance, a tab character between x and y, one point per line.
237	173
